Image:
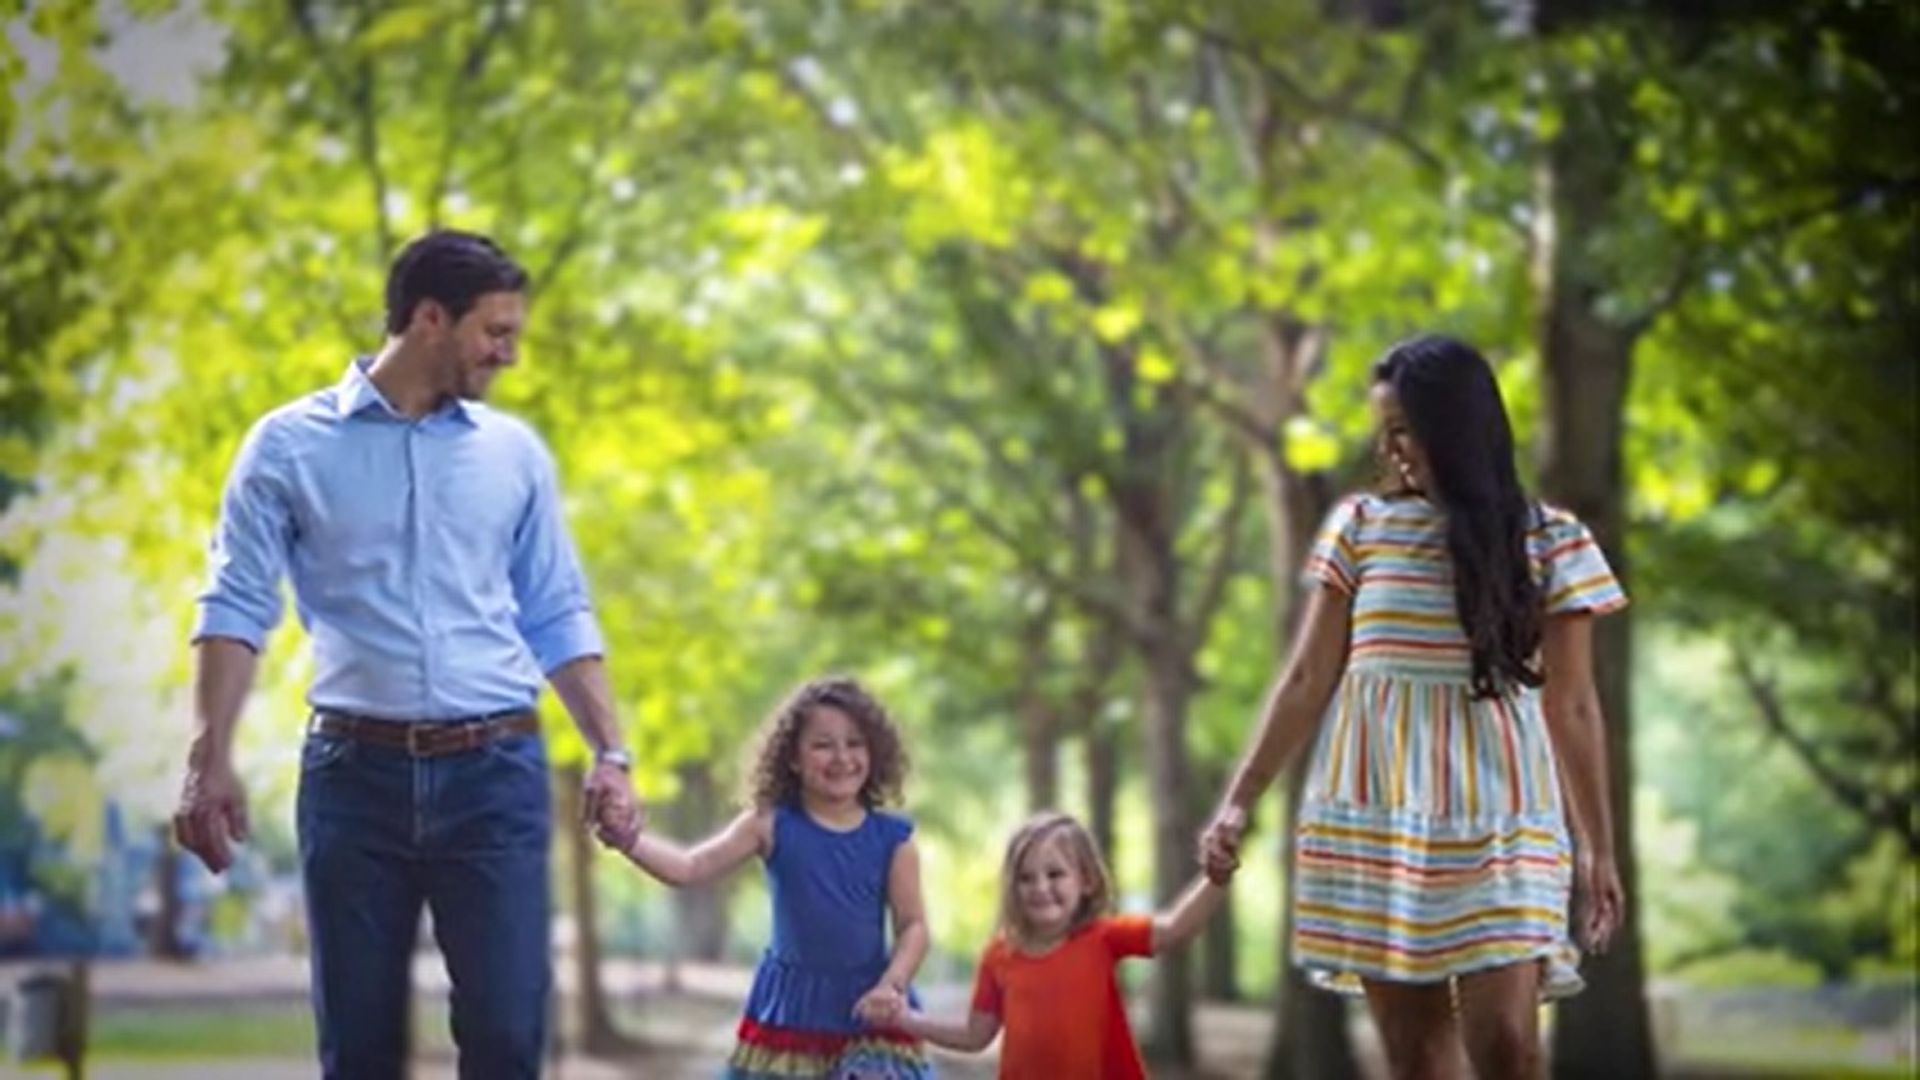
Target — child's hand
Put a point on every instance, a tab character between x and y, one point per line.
883	1006
1220	875
617	834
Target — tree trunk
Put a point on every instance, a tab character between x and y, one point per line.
1311	1038
1150	570
1040	751
1585	369
700	911
1141	493
593	1018
1219	966
1039	718
1604	1031
1170	1021
1087	715
163	937
1103	783
76	1019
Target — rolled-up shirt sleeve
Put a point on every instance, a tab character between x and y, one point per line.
247	555
555	615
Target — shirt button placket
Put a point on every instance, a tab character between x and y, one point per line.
420	493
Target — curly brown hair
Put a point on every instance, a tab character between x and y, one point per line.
772	780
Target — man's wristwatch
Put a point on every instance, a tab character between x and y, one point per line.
615	757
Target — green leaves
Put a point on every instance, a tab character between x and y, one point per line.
857	326
400	28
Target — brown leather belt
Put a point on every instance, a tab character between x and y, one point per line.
425	738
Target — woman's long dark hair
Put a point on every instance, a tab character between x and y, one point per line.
1453	406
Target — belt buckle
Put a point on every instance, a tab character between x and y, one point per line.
414	742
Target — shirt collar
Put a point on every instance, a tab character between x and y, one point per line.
357	392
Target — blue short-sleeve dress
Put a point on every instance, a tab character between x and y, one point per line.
830	946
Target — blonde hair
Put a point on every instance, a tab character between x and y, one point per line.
1043	828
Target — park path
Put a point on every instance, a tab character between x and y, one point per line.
685	1019
688	1036
690	1030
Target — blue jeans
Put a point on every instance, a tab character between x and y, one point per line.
468	835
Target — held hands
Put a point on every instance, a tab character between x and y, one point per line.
608	806
213	808
616	837
883	1006
1220	843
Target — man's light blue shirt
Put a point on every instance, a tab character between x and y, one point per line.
429	559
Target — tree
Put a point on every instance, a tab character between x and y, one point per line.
1799	543
1603	115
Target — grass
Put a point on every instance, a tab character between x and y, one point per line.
268	1030
201	1032
1789	1052
198	1033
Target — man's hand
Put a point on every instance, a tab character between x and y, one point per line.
213	809
609	807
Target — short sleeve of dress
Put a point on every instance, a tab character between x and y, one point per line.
1574	575
1127	935
896	828
987	996
1334	560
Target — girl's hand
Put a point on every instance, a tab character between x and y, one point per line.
1220	843
619	835
1598	901
882	1006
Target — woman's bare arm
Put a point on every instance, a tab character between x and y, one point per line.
1577	727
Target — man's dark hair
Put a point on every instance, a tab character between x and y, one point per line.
452	268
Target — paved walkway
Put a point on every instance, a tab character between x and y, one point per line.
686	1013
653	1068
277	978
690	1026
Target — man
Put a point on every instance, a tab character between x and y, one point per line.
430	564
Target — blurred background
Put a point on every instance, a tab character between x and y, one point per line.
1005	353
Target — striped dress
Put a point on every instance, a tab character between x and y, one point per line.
1431	841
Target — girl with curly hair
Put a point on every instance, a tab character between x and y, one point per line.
829	758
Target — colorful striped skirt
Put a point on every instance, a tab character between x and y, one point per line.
1431	842
763	1052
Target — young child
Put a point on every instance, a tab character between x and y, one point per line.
1047	979
1443	670
829	758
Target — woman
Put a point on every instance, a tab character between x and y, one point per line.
1445	662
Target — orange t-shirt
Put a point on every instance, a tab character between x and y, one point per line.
1061	1015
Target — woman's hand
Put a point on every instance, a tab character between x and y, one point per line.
1598	901
1220	843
